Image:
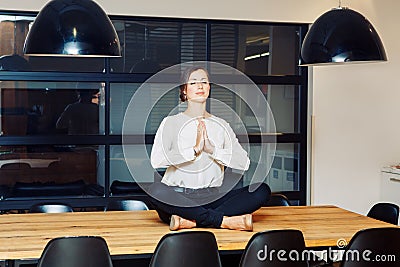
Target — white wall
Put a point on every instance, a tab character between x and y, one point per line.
356	129
267	10
354	106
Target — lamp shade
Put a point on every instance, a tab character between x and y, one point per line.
341	35
72	28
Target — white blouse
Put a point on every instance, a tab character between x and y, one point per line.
173	149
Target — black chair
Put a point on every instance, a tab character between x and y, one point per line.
277	200
43	208
387	212
75	188
187	249
81	251
50	208
126	205
258	249
373	248
125	188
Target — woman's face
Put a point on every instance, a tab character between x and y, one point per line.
198	86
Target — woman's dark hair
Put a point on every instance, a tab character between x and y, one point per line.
185	78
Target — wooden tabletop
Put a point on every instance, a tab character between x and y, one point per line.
23	236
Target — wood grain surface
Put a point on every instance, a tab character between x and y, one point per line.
24	236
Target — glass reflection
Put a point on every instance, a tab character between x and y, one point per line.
150	46
284	172
283	101
258	49
82	116
33	108
47	171
121	180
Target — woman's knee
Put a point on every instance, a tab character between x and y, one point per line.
263	192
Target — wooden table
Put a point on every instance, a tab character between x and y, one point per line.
23	236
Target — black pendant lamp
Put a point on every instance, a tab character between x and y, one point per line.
341	35
72	28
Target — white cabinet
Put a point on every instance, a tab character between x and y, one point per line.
390	185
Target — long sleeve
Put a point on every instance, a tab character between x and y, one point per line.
166	150
231	154
173	149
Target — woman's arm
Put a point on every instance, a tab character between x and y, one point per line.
232	153
166	152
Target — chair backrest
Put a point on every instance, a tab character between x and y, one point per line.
81	251
124	188
50	208
373	248
22	189
278	200
187	249
126	204
387	212
262	249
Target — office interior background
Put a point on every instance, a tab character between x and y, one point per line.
351	109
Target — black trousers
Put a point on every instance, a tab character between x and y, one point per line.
235	202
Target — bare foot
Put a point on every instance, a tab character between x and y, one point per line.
240	222
178	222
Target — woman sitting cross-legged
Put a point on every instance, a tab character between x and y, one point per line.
195	147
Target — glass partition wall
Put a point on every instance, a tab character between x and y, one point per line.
61	118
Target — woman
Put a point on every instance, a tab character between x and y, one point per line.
195	147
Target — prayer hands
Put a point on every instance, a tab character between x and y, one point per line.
202	141
198	148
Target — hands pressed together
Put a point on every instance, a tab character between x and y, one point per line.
202	141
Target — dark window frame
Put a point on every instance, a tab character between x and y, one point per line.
107	140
